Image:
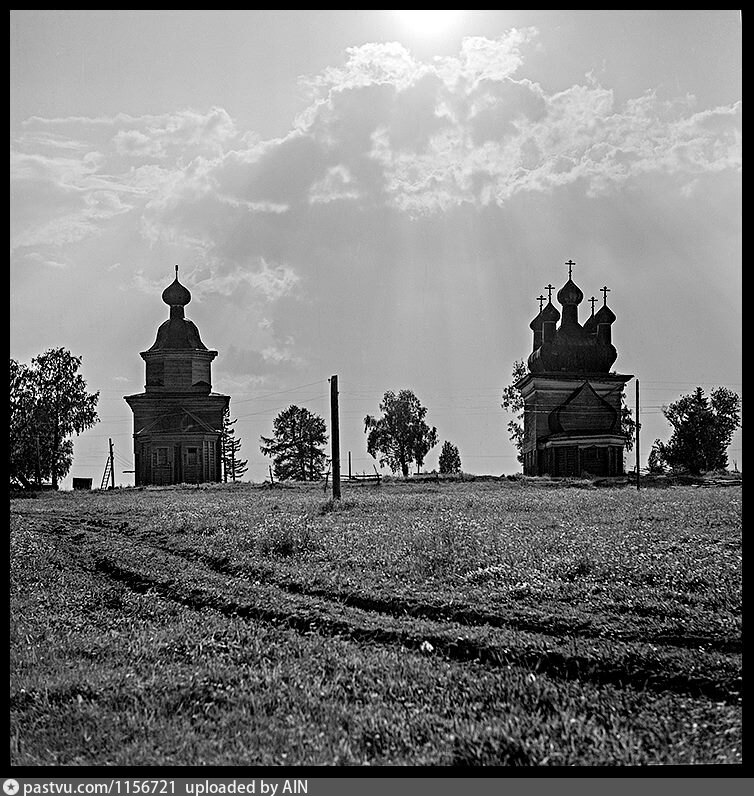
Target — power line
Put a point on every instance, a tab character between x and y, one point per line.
279	392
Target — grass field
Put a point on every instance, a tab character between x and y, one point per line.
482	623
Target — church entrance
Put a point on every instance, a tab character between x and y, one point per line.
192	466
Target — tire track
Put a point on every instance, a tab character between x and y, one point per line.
633	671
305	612
458	613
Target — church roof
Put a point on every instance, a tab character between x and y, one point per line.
177	332
576	352
584	412
604	315
572	348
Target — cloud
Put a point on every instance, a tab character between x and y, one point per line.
60	171
58	201
184	135
374	63
265	282
71	176
487	59
386	138
247	369
382	130
427	137
135	143
38	257
148	135
336	184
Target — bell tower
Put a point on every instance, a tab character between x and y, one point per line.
178	420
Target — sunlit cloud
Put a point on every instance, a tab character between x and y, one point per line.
383	130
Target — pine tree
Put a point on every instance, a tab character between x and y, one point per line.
702	430
233	466
296	446
450	459
655	464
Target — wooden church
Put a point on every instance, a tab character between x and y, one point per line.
572	400
178	420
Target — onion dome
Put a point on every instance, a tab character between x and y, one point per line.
590	324
573	348
536	327
577	353
570	294
604	320
175	294
550	314
604	315
177	332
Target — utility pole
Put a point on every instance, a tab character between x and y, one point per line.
638	427
349	465
112	466
335	437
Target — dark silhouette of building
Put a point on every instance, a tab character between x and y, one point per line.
178	420
572	400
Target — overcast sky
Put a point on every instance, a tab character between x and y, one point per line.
378	196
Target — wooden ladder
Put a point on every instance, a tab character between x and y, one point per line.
106	475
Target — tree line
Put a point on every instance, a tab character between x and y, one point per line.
49	402
399	438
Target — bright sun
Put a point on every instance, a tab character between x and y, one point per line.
428	23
